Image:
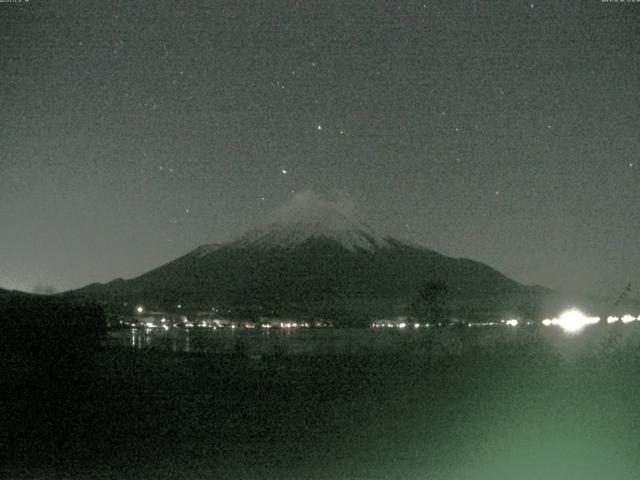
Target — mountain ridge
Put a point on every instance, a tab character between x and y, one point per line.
309	216
314	258
318	277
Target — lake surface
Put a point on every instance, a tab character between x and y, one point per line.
439	404
269	341
364	341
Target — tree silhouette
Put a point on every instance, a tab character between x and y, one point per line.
431	304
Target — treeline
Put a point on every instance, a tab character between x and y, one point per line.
47	371
44	326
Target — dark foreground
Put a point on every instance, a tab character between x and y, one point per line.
525	404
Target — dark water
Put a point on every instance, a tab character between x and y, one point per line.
327	341
341	404
423	342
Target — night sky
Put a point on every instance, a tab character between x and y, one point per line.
505	131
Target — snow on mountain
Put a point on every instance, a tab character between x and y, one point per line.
280	269
312	217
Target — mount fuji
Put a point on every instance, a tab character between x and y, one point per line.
313	258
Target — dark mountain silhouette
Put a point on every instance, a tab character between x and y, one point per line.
316	260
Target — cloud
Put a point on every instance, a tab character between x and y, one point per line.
308	202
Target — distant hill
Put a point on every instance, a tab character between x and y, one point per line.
40	326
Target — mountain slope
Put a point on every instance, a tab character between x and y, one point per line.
316	261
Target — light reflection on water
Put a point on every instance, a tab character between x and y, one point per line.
265	341
434	342
141	338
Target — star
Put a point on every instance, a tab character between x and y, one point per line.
284	172
319	127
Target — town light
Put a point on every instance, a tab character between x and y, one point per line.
628	318
573	321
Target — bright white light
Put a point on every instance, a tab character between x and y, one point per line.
573	321
150	324
140	309
512	323
546	322
612	319
402	325
628	318
416	325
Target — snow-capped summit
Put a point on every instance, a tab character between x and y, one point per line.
349	274
312	217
